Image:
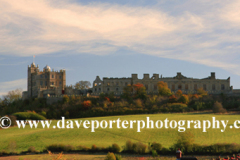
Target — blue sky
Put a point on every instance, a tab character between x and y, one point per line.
116	38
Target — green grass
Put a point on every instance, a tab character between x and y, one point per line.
39	138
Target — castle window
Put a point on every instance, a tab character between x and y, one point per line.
180	86
108	84
60	83
116	83
95	84
222	86
205	87
52	83
116	89
213	87
155	87
45	76
60	77
186	86
99	89
52	76
108	89
96	89
41	83
45	83
41	76
173	87
146	86
126	83
195	87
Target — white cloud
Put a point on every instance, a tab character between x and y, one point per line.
12	85
197	34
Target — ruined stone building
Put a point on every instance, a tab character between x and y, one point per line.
179	82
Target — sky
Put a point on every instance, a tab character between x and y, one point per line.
117	38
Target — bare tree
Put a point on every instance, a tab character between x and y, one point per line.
13	95
82	85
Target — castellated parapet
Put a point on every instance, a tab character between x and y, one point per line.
179	82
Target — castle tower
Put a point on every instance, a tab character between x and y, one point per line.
31	70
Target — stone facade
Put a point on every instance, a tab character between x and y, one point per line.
44	83
179	82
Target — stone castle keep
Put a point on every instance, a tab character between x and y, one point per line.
42	83
179	82
48	82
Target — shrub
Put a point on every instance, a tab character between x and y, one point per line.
218	108
116	148
94	147
59	148
129	145
65	99
31	149
28	116
156	146
13	120
174	107
110	156
154	153
118	157
140	148
43	113
83	148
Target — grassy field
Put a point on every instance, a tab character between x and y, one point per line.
22	139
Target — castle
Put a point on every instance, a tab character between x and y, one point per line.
45	82
48	83
179	82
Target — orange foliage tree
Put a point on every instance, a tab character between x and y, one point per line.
184	99
163	89
87	104
179	93
140	91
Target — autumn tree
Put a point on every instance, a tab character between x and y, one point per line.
202	92
184	99
82	85
127	92
140	91
179	93
163	89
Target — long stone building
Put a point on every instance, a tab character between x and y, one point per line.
179	82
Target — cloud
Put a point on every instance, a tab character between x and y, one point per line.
12	85
190	31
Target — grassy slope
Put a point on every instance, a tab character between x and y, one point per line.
39	138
